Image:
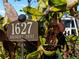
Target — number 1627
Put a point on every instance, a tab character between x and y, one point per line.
20	28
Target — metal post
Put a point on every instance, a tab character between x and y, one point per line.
22	50
29	4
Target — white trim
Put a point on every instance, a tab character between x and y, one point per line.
68	29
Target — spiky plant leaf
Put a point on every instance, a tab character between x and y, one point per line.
33	55
42	41
49	53
36	54
57	2
71	3
32	11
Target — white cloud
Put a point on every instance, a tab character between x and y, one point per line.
2	12
21	5
78	8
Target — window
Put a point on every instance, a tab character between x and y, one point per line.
73	31
68	22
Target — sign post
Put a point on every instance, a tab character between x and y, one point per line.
22	48
17	30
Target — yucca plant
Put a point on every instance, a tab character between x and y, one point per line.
48	14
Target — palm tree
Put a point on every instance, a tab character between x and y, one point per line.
10	11
12	15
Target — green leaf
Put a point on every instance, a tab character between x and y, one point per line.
32	11
54	9
3	22
78	38
6	21
43	3
49	53
57	5
18	57
58	8
35	18
59	54
57	2
42	50
69	37
36	54
77	42
42	41
74	38
33	55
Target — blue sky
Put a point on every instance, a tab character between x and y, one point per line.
18	5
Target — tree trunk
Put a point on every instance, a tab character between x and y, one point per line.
10	12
